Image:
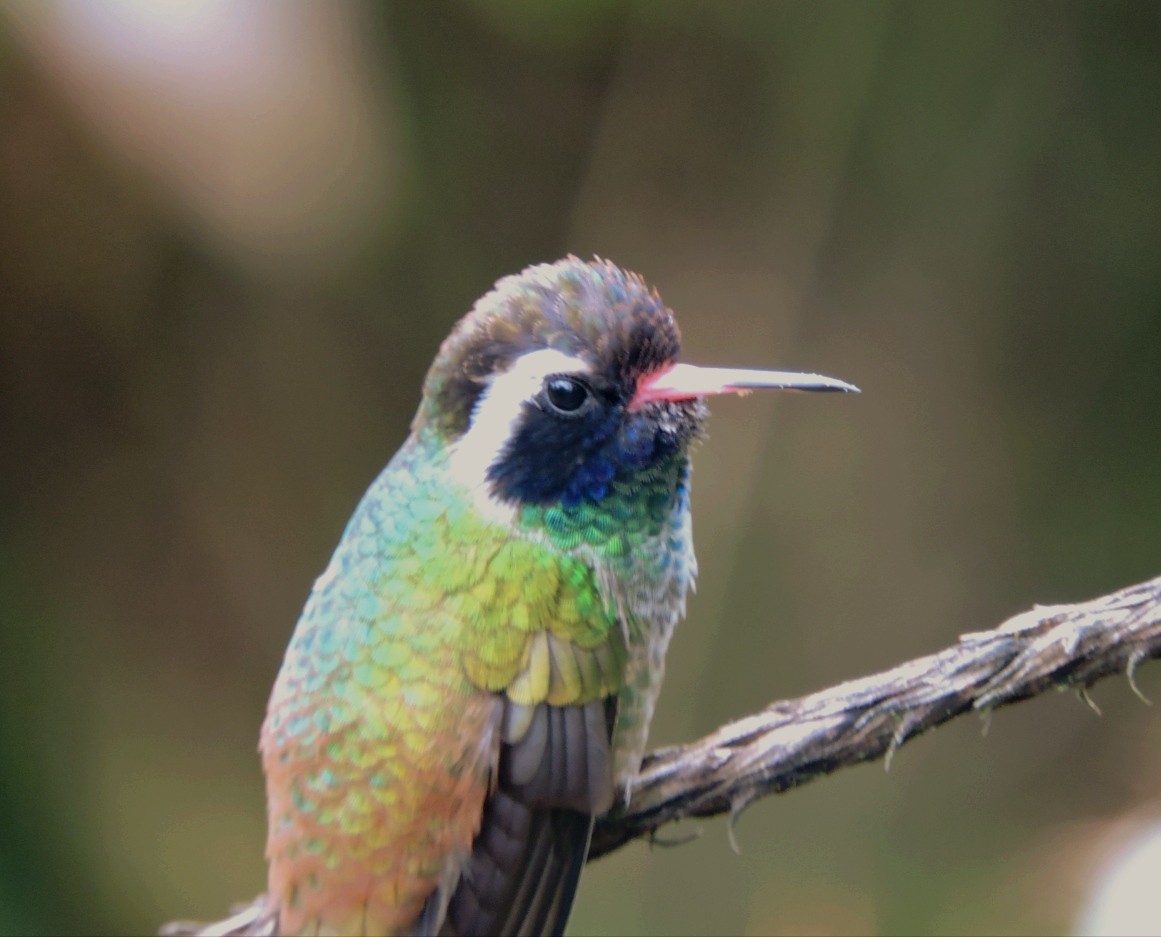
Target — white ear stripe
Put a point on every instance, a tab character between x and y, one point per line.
496	412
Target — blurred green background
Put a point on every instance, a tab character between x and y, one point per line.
233	234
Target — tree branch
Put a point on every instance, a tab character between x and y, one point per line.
795	741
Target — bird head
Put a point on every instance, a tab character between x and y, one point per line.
565	379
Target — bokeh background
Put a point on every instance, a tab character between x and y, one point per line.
232	235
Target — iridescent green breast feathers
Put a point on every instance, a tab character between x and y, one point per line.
472	678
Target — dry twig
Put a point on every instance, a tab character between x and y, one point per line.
795	741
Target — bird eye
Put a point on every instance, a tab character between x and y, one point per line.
565	394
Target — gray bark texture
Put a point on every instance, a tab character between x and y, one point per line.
790	742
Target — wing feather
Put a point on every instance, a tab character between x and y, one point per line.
527	858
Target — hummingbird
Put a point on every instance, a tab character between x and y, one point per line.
472	677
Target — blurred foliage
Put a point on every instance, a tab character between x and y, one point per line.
232	236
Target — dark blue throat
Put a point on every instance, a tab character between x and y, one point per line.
568	461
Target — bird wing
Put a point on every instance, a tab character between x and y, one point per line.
554	776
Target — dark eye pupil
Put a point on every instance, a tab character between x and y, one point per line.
566	394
